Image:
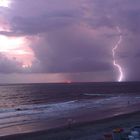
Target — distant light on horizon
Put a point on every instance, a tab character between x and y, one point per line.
68	82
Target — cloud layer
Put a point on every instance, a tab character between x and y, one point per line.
76	37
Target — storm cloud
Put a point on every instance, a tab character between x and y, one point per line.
9	65
76	37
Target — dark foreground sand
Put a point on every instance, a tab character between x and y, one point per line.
84	131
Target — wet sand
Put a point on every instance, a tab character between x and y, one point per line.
84	125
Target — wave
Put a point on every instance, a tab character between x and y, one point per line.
90	94
32	113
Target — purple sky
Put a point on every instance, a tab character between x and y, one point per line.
68	40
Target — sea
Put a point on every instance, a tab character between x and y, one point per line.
35	107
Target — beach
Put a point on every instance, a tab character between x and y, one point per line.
82	131
85	125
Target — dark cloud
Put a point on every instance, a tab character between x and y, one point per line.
73	50
9	65
78	35
42	24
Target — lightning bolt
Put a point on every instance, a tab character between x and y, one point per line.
120	78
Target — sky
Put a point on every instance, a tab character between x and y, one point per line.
69	40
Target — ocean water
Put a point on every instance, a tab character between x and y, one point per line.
26	104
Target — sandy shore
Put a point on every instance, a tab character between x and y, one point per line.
82	131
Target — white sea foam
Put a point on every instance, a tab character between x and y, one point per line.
90	94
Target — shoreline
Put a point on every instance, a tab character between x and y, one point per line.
79	130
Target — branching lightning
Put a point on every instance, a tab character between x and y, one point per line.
120	78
